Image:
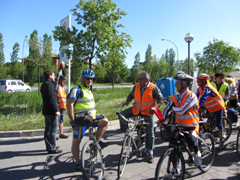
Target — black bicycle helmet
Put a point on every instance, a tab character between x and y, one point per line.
184	77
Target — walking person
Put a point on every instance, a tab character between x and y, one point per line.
145	94
63	105
51	112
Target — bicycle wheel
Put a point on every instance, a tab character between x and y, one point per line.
124	156
170	166
226	133
92	160
207	149
238	142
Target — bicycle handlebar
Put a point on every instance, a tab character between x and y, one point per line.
129	121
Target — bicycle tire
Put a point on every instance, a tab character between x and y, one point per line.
92	161
166	169
124	155
207	151
238	143
228	130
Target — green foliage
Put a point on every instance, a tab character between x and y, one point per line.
14	59
100	73
148	60
135	70
2	58
218	56
98	35
46	60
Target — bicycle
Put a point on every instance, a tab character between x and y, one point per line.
208	124
238	142
129	142
91	156
171	164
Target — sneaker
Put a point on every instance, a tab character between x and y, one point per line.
79	166
102	144
221	144
63	136
197	159
150	158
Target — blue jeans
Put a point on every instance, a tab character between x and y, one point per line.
51	129
218	115
150	136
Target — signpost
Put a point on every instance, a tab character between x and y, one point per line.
66	23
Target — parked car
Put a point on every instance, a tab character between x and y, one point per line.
12	85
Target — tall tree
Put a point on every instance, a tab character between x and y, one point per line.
2	58
218	56
172	56
99	23
47	52
135	70
14	58
148	59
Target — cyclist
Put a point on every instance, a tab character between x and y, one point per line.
223	89
80	99
212	100
145	95
185	104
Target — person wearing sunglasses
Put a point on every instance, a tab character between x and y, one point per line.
81	100
148	98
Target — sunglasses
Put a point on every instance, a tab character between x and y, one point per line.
140	79
89	79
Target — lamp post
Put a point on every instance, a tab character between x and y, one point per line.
173	44
188	38
23	59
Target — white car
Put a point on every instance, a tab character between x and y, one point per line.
13	85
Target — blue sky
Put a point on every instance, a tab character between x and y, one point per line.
147	22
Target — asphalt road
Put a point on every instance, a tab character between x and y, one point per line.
26	158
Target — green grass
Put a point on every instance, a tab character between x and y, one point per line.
23	110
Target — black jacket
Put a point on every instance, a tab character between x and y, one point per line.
50	99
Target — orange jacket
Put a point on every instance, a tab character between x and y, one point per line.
145	102
62	98
191	117
212	104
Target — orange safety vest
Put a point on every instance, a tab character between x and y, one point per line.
212	104
144	103
62	98
191	117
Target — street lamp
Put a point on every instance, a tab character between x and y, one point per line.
174	45
23	59
189	38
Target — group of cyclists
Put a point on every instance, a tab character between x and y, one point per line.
147	98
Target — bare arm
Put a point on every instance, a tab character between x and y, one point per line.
70	110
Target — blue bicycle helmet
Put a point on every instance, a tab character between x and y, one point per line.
88	73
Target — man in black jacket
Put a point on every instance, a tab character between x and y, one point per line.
51	112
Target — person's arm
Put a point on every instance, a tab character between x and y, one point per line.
130	97
206	93
227	94
53	99
156	94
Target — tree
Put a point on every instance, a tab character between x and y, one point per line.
100	73
135	70
148	60
47	52
99	23
218	56
14	58
2	58
172	71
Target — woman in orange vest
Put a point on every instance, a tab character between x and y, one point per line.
212	100
63	105
185	104
148	97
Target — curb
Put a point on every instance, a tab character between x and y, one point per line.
39	132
